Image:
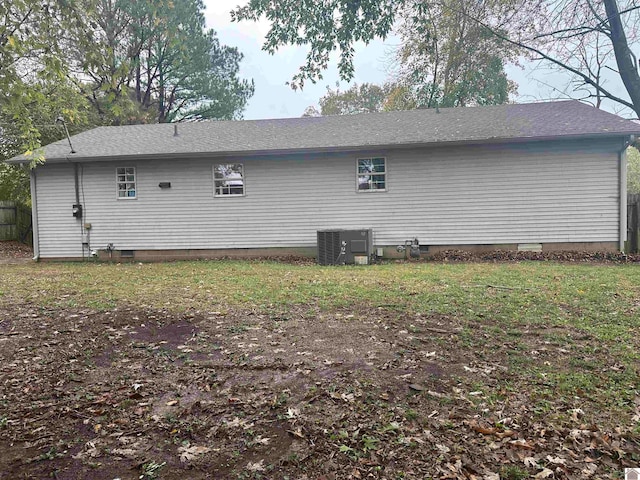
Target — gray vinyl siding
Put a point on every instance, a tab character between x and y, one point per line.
59	233
562	192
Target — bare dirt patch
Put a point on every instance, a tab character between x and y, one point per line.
307	393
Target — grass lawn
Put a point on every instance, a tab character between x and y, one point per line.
260	370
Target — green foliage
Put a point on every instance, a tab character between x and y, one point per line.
513	472
364	98
633	170
323	27
103	62
34	124
155	61
151	470
31	53
462	46
478	86
441	37
445	58
14	183
449	60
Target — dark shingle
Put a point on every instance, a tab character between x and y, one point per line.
417	127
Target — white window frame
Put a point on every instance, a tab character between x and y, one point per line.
125	182
229	195
385	174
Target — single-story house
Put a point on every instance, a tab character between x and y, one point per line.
551	175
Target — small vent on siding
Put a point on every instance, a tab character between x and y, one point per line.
529	247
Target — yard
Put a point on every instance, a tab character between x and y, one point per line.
257	369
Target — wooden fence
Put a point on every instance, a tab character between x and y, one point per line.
15	222
633	223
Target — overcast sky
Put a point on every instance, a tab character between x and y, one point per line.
274	99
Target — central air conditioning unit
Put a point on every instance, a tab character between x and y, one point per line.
340	247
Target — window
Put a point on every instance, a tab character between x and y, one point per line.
126	180
372	174
228	179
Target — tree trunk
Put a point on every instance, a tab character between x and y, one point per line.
624	59
161	94
138	81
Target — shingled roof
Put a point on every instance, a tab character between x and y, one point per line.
502	123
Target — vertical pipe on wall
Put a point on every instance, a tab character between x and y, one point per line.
623	198
75	175
34	215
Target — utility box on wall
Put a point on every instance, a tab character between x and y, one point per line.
339	247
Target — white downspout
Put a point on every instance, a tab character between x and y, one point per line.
34	215
623	198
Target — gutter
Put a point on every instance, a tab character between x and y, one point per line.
34	215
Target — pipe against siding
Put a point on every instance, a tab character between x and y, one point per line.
34	215
623	198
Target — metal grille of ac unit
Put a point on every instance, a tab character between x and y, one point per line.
339	247
328	247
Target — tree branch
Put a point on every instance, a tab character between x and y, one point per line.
577	31
561	64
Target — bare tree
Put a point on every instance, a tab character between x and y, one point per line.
589	41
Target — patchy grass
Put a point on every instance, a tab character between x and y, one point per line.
267	370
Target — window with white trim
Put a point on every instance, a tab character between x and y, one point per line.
126	182
228	180
372	174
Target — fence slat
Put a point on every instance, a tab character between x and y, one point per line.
15	222
23	224
8	227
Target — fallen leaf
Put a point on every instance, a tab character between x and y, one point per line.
255	467
293	412
556	460
171	403
576	414
442	448
521	443
546	473
296	433
125	452
261	440
348	397
188	453
483	430
237	422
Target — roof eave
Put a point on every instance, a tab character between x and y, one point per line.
74	158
